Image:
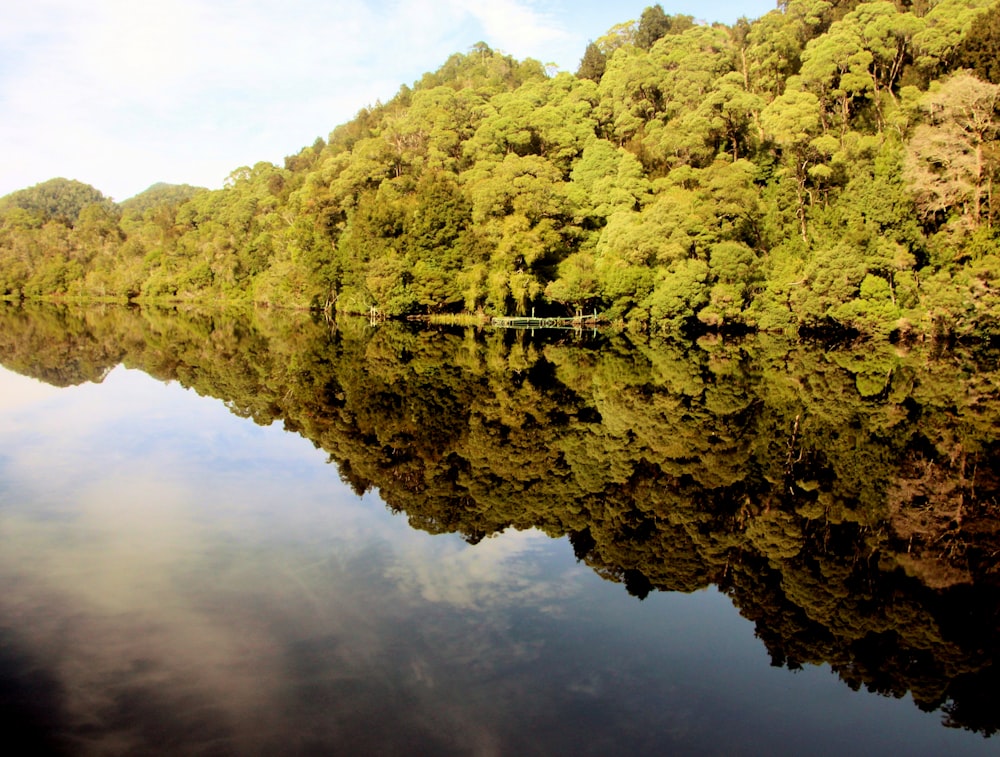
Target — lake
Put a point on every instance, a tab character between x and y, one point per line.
259	533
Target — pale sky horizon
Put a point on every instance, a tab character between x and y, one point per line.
122	95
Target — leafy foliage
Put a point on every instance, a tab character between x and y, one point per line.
845	153
53	200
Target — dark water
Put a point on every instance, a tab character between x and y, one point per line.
253	534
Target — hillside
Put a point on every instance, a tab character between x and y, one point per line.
828	167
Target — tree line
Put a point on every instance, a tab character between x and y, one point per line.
828	167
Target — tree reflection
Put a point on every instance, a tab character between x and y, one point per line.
844	498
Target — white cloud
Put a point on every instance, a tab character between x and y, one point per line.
517	28
122	94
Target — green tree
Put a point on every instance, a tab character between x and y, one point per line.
56	199
606	179
576	284
521	207
733	272
945	24
653	24
552	119
775	43
435	242
979	49
793	122
593	63
679	293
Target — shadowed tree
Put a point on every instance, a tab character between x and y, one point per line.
980	49
593	63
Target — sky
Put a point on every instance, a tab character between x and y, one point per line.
121	94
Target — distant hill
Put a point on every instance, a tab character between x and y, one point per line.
160	194
58	199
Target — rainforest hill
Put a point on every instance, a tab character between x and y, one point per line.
828	167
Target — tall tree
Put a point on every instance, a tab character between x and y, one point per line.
947	162
980	49
653	24
593	63
936	45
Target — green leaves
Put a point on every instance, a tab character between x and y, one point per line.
690	176
678	295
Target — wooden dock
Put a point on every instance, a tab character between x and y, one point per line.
531	322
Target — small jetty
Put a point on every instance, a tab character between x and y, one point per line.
576	322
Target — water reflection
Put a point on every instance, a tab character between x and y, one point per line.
181	580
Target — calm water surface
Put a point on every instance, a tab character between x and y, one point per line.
180	580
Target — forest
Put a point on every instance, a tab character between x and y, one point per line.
845	500
828	168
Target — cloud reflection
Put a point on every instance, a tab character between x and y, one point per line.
187	581
496	571
19	392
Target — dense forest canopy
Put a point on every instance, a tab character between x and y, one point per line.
829	166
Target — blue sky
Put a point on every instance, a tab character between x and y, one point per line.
121	94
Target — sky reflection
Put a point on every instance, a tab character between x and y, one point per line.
180	580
